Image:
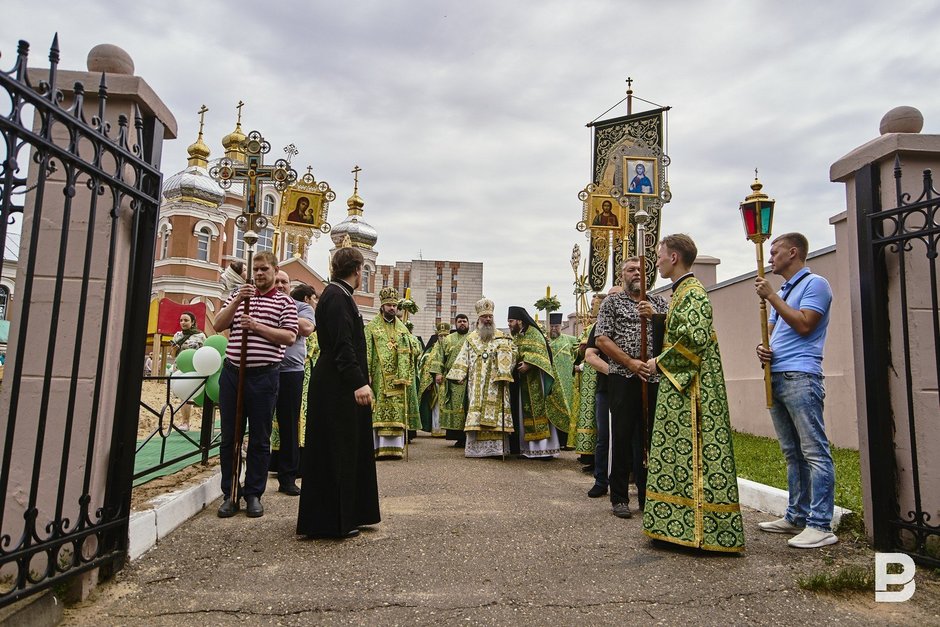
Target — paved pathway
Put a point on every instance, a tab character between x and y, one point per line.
478	542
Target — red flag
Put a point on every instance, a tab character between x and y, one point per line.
168	318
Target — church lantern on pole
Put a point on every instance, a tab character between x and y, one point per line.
757	212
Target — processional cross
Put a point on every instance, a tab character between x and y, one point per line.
254	174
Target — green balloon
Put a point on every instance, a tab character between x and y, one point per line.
218	342
184	361
212	387
200	398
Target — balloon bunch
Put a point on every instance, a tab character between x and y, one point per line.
205	362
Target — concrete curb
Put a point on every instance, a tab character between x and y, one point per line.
774	501
170	510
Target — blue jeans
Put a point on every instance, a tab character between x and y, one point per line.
797	414
602	449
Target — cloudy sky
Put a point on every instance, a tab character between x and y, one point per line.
468	117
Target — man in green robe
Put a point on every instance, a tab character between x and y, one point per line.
692	489
564	353
539	409
452	395
428	389
392	373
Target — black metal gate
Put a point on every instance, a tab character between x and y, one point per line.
86	197
901	339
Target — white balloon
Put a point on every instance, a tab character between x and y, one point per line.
186	388
207	361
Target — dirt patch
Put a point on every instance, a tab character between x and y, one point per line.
154	394
197	473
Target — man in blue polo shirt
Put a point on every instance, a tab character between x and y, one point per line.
798	322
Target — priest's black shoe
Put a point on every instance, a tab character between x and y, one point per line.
597	491
352	533
253	507
228	508
290	489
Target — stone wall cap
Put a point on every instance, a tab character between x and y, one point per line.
880	148
119	86
839	217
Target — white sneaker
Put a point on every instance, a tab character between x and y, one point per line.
813	539
781	525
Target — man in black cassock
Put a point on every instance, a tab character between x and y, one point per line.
339	492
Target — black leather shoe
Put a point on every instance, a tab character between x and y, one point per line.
253	507
352	533
290	489
597	491
228	508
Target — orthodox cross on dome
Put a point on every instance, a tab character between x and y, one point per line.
310	170
253	172
355	171
629	95
239	107
202	118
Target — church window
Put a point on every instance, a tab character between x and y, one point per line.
438	289
265	241
165	244
4	301
267	205
202	244
366	276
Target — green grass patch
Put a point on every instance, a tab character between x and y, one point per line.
848	579
759	459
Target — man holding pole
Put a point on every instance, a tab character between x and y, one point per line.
798	326
618	335
266	321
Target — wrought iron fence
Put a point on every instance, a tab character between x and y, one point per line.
175	445
901	340
90	197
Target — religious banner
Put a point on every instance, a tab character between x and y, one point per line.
303	213
306	202
629	172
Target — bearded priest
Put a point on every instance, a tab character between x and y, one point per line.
393	363
486	361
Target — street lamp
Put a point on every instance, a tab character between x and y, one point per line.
757	211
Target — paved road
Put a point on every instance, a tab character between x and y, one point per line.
477	542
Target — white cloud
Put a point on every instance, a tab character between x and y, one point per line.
468	117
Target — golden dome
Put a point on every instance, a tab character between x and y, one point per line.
232	143
198	151
355	204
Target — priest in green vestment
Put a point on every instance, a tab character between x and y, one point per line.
392	363
486	362
428	389
564	354
692	489
452	394
539	409
583	411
